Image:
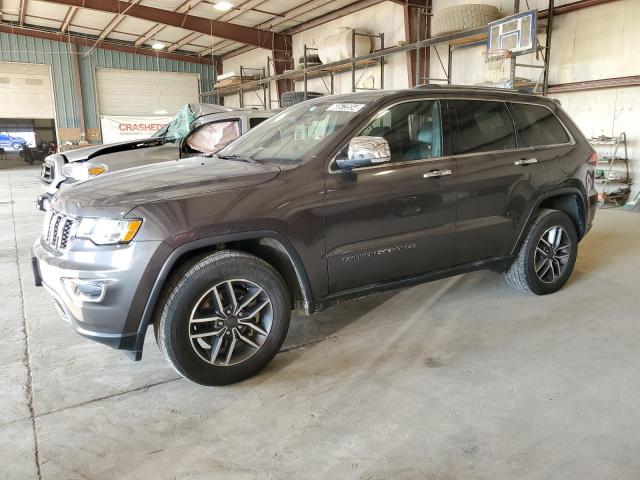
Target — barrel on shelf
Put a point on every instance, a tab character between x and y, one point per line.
339	45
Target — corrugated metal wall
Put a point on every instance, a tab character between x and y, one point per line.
23	49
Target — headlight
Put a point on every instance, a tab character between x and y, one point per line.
104	231
80	171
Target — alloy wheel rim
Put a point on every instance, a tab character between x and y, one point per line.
552	254
230	322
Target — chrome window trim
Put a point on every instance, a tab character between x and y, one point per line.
571	142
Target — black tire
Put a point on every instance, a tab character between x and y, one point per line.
185	290
522	272
312	60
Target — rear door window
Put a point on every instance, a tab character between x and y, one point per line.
537	126
483	126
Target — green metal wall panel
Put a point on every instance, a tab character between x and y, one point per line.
23	49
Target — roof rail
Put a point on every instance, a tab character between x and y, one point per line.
469	87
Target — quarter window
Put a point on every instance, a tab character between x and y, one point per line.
537	126
483	125
413	130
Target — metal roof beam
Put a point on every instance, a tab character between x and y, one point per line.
301	10
23	11
238	33
115	22
278	19
183	41
105	44
182	8
249	5
68	18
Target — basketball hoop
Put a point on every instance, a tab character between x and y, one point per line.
495	58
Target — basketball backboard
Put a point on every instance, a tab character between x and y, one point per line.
516	33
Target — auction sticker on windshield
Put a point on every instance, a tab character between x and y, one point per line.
345	107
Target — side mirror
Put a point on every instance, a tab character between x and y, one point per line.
365	151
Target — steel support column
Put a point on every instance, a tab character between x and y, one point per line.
282	60
78	100
417	26
547	49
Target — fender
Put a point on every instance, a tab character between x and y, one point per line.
171	260
556	192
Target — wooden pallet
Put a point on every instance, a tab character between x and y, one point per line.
235	81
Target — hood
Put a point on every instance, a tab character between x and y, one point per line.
121	191
84	154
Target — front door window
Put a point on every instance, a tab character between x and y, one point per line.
413	130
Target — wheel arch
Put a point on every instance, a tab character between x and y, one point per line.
270	246
569	199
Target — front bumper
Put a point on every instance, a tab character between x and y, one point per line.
117	269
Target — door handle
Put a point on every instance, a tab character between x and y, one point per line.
436	173
526	161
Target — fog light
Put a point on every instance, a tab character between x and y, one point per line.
85	290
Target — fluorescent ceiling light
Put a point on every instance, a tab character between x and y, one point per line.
157	45
223	6
160	112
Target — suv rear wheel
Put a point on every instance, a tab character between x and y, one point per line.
546	257
224	318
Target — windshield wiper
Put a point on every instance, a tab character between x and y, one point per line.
235	156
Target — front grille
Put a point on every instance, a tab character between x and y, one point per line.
48	172
58	230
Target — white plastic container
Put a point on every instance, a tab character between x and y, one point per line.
338	46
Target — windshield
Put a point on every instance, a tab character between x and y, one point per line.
289	136
161	133
178	127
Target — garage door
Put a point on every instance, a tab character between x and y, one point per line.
25	91
127	92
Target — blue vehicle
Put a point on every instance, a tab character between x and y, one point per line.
15	143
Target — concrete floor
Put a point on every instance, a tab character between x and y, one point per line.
458	379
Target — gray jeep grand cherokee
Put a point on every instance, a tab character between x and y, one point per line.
333	198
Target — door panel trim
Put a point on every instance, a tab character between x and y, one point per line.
496	264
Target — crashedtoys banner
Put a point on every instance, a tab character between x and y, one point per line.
121	129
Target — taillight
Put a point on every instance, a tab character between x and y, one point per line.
593	159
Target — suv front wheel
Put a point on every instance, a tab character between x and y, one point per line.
224	317
547	255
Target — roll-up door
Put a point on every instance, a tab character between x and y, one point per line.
25	90
139	92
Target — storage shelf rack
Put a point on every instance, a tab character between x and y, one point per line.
454	40
616	155
466	36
